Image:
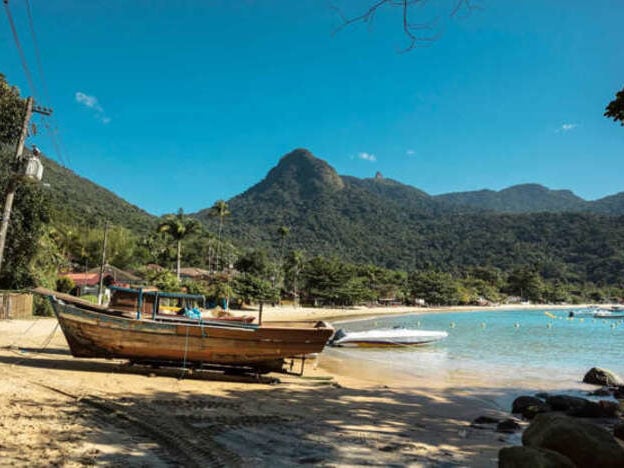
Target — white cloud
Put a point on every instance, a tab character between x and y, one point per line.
566	127
410	152
367	156
92	102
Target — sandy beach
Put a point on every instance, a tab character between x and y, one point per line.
56	410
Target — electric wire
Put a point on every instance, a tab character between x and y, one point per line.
20	50
52	129
33	35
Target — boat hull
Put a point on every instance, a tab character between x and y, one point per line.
387	338
94	334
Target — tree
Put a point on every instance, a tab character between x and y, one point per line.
178	227
422	32
251	288
31	210
615	109
293	268
11	112
527	283
435	287
220	210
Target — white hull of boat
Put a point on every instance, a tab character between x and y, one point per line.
392	337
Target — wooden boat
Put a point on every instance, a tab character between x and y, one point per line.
97	332
387	337
167	304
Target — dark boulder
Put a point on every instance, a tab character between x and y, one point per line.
618	392
583	443
605	377
566	402
600	409
508	426
618	431
601	392
486	420
529	406
529	457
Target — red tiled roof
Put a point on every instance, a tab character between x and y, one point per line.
84	279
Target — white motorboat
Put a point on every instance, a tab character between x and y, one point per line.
387	337
609	313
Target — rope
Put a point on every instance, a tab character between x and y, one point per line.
14	343
18	44
44	345
185	353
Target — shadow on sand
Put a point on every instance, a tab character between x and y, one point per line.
303	421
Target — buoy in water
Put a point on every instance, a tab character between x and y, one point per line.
517	325
452	324
549	325
483	325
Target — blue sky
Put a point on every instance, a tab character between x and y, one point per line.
180	103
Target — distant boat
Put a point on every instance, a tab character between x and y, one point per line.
614	313
97	332
387	337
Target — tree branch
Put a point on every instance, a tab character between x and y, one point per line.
413	31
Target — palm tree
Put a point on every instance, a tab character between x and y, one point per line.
294	265
178	226
220	209
283	231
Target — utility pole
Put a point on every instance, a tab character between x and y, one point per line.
17	171
102	264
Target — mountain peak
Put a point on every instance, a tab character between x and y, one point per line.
301	167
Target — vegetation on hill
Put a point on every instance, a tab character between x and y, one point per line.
78	201
306	233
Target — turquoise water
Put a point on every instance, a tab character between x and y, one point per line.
505	345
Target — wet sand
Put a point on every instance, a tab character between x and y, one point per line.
63	411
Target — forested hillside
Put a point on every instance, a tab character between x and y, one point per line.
78	201
396	226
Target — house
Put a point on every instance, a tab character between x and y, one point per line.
194	273
88	282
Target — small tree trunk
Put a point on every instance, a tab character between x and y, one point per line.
219	243
179	255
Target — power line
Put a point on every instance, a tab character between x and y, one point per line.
52	129
36	48
29	77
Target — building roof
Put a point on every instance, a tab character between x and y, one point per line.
192	272
84	279
118	274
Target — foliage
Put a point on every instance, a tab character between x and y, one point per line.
12	109
250	288
527	283
385	223
163	279
255	262
435	287
28	219
65	284
219	210
178	227
615	109
78	202
83	246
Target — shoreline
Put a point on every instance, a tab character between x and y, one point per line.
341	315
342	412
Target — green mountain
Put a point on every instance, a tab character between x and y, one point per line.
78	201
394	225
611	205
525	198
